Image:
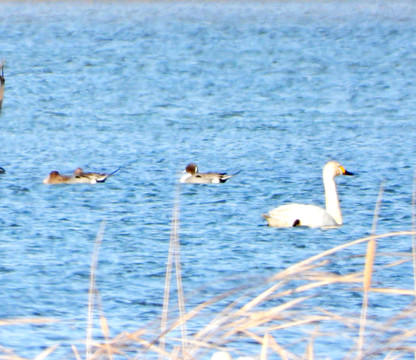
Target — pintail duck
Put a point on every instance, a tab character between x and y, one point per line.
192	176
55	177
91	177
79	177
310	215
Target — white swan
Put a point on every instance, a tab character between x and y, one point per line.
310	215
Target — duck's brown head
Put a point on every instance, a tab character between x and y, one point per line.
191	168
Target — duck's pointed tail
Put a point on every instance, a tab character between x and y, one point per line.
104	177
225	177
112	173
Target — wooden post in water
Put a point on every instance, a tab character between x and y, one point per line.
2	81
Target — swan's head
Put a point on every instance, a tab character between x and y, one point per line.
333	168
191	168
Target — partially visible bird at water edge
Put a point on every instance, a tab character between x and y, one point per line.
2	82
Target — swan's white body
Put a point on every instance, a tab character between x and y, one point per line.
310	215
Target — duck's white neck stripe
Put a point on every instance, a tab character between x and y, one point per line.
185	177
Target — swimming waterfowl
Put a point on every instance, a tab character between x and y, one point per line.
55	177
310	215
2	171
79	177
192	176
91	177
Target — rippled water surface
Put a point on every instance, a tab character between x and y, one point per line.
274	89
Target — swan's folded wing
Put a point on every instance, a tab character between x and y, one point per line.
299	215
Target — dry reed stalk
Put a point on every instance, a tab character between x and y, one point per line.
259	299
181	298
368	271
175	354
330	279
105	331
261	317
319	281
311	319
45	353
248	319
92	289
115	344
105	349
310	346
159	350
126	339
393	291
166	295
395	263
267	294
279	350
283	353
390	254
212	326
243	318
245	322
10	355
300	268
8	322
414	229
336	249
401	337
348	322
413	237
76	352
264	347
104	326
400	334
388	357
174	256
265	317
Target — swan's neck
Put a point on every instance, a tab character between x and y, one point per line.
331	199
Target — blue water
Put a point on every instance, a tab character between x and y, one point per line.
274	89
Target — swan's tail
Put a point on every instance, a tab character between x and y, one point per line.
281	222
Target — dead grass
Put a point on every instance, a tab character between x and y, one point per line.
279	313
